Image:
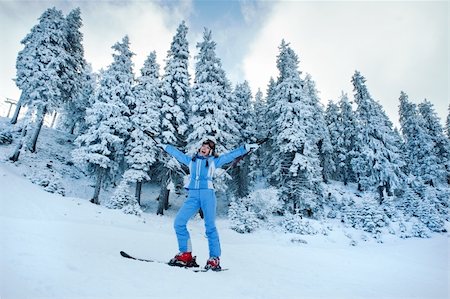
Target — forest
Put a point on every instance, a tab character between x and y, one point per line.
117	117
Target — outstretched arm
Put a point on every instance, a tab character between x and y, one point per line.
177	154
230	156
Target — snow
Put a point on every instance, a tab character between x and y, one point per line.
66	247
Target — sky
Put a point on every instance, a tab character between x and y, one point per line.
397	46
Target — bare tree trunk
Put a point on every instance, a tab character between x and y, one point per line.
9	109
16	113
16	154
380	190
54	119
163	201
22	138
100	173
72	128
163	195
138	191
17	110
39	123
345	178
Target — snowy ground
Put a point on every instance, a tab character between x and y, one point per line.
61	247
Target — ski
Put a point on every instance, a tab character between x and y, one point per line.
126	255
206	270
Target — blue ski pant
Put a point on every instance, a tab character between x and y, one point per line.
206	200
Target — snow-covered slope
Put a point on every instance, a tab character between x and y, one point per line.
61	247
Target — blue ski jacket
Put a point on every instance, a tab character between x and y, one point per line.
201	173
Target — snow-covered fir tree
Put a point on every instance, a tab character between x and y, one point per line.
141	150
242	99
331	120
253	211
212	115
298	166
175	90
29	65
436	131
123	196
75	80
422	161
102	146
377	159
89	84
42	69
341	121
420	197
320	133
73	118
257	167
175	97
244	116
348	128
422	205
267	150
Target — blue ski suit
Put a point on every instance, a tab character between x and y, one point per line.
200	195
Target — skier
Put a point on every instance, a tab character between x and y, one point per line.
201	195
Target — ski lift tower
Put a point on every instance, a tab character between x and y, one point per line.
11	103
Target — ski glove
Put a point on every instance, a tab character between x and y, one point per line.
251	147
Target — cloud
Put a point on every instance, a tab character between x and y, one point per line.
396	46
149	25
252	10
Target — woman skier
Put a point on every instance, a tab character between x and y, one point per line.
201	195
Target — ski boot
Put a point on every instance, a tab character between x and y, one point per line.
183	259
213	263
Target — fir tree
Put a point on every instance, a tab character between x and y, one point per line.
242	219
42	69
212	115
122	198
435	130
298	163
175	97
74	79
267	150
348	129
102	146
320	132
176	90
244	117
426	206
257	167
377	160
73	118
145	117
331	119
422	161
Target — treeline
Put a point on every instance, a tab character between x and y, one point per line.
309	146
